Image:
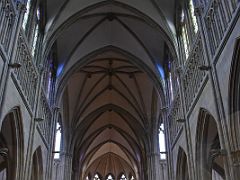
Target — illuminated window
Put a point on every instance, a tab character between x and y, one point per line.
26	15
36	33
185	40
123	177
96	177
188	27
58	138
109	177
162	142
35	38
49	80
193	17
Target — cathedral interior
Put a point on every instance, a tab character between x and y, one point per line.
119	89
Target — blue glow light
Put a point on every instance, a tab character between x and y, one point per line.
161	71
60	69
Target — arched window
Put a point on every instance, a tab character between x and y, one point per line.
96	177
26	15
31	24
162	142
58	138
188	27
36	32
110	177
172	78
123	177
193	17
185	39
49	76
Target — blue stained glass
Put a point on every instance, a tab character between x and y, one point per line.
60	69
161	71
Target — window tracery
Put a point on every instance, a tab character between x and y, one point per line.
123	177
110	177
188	27
31	25
96	177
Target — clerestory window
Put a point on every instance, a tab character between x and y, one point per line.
58	138
188	27
162	146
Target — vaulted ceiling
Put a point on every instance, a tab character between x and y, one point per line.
109	86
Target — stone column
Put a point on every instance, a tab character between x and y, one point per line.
154	170
236	163
153	157
52	142
67	165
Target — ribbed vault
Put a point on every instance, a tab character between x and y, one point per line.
110	105
111	60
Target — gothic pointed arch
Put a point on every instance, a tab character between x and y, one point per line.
182	165
234	99
37	165
11	146
209	154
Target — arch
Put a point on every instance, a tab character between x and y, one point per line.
163	28
87	122
182	165
11	145
37	165
209	162
234	99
